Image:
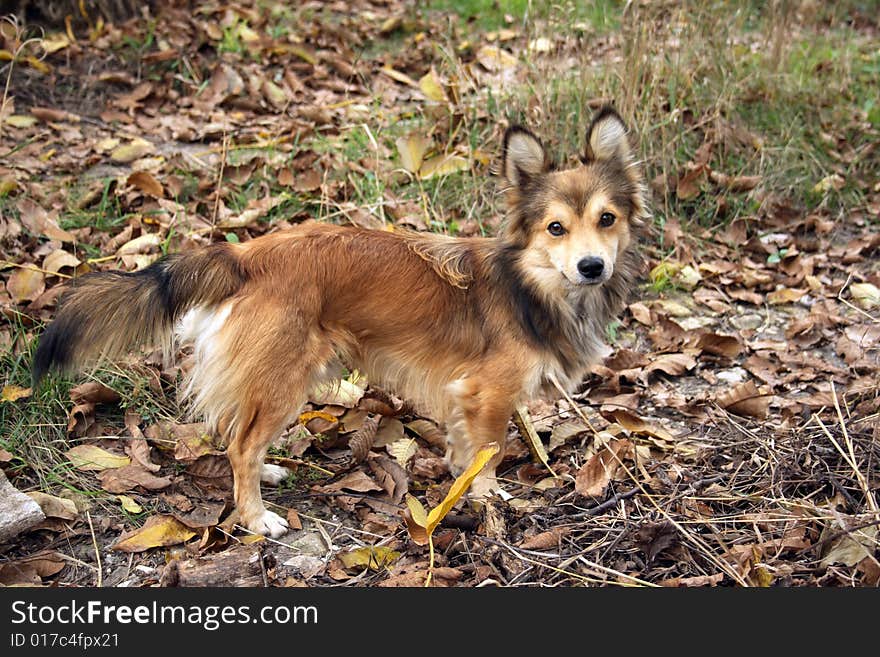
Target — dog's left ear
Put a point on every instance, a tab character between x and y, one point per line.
523	156
607	138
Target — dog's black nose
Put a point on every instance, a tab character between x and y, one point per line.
591	267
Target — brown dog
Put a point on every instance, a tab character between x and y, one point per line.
466	328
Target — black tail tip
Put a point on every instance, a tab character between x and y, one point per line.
53	353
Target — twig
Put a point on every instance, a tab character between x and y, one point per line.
223	154
100	581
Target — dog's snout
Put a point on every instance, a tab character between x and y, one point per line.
591	267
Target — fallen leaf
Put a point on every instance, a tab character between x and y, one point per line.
58	259
94	393
129	505
374	557
495	59
13	393
357	481
432	86
20	121
632	422
54	507
157	531
690	185
784	295
26	284
120	480
745	399
523	421
420	524
411	150
143	244
131	151
402	450
594	476
442	165
293	520
851	548
338	393
728	346
545	540
671	364
866	295
146	183
92	457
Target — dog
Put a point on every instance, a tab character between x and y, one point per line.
464	328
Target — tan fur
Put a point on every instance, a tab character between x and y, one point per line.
464	328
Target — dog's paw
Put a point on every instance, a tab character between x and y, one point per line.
273	474
269	524
483	487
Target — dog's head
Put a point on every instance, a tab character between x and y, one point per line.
573	225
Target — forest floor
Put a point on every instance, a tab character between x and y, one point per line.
733	433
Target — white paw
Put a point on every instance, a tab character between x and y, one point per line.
273	474
269	524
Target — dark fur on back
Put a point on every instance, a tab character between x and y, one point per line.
107	313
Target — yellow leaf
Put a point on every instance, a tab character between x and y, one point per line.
54	43
129	504
412	149
399	77
311	415
132	151
527	430
432	86
13	393
38	64
416	519
20	121
495	59
459	486
92	457
442	165
158	531
7	185
372	557
252	538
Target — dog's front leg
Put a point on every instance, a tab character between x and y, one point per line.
480	417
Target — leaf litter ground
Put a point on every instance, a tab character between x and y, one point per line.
730	436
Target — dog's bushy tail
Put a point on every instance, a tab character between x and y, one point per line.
106	314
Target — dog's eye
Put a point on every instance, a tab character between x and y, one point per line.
556	229
607	219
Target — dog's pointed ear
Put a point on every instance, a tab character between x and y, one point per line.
607	138
523	156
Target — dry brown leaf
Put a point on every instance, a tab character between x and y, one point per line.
146	183
357	481
58	260
784	295
94	393
26	284
632	422
745	399
594	476
39	222
54	507
691	183
544	540
728	346
671	364
120	480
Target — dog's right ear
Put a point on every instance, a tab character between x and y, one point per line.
523	156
